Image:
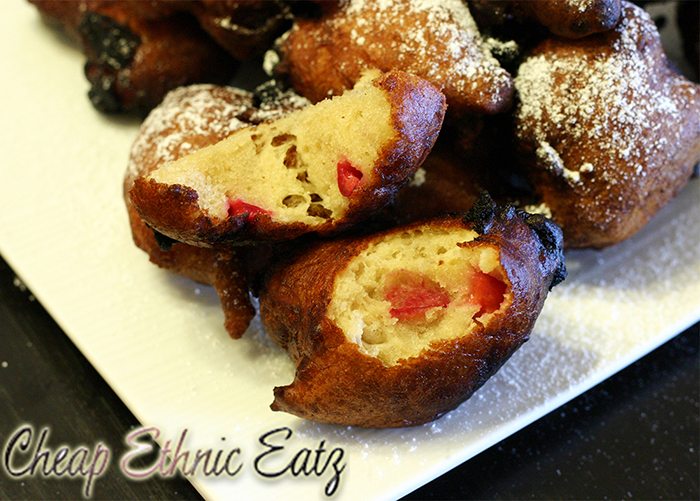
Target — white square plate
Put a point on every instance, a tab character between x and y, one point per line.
158	339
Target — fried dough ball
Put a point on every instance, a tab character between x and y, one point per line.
191	118
132	62
138	51
243	27
397	328
608	131
437	41
318	170
566	18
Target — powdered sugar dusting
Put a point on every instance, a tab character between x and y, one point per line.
195	116
587	108
508	49
437	40
579	5
187	114
549	157
284	103
542	208
270	60
418	177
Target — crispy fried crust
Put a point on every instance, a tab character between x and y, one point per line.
337	383
608	132
195	116
167	53
566	18
138	51
439	42
417	111
221	269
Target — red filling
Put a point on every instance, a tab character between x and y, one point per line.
241	208
486	291
412	294
348	177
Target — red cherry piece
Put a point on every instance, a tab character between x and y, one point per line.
486	291
240	208
412	294
348	177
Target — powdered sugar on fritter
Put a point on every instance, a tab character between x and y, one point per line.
195	116
437	40
185	113
606	102
283	104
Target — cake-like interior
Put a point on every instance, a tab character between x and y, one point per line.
301	168
415	287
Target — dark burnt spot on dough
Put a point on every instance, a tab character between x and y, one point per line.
552	239
482	214
315	197
303	176
110	47
112	44
102	92
485	212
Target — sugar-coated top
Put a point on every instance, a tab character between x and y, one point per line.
600	101
437	40
195	116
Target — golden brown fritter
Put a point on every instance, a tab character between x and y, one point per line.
608	131
138	50
437	41
189	119
397	328
317	170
